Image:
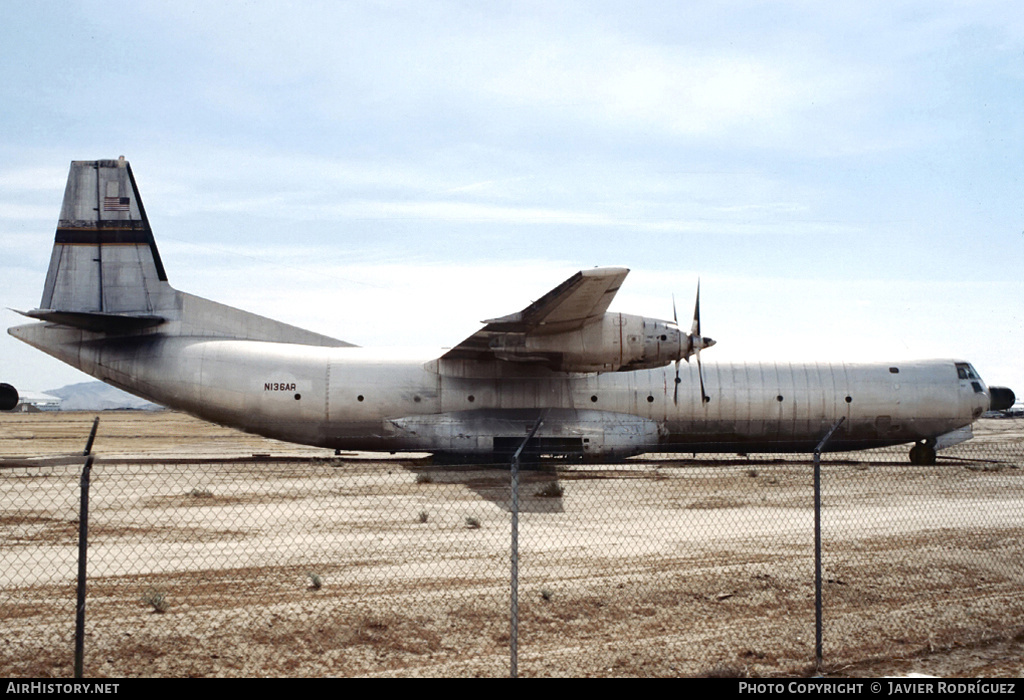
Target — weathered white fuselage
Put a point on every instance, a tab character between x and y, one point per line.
360	399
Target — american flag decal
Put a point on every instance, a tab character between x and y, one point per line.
116	203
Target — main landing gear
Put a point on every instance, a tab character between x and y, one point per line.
922	454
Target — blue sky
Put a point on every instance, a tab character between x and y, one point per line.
845	179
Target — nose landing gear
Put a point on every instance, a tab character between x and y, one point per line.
922	454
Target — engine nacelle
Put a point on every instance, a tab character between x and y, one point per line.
8	397
614	343
1001	398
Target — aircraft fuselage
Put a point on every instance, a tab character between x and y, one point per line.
405	400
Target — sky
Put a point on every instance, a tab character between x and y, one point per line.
845	180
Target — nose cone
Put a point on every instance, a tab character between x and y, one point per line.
708	342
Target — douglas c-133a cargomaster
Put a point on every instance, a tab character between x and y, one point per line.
608	385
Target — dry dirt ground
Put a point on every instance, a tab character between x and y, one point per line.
214	553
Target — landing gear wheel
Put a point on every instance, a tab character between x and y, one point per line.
922	455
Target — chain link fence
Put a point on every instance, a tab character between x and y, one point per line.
657	566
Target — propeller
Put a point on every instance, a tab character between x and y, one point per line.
695	343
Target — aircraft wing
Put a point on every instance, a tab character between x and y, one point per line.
581	299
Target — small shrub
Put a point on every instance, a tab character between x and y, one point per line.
546	593
200	493
422	478
156	599
726	670
472	523
552	489
422	517
315	582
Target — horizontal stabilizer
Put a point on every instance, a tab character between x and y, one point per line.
95	321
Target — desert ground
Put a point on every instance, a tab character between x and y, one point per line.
216	553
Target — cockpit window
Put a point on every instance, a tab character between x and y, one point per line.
965	371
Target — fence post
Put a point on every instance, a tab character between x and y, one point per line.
514	611
83	548
817	543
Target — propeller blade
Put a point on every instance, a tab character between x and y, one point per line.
704	398
695	328
698	344
675	392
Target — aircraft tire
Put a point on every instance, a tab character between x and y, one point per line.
922	455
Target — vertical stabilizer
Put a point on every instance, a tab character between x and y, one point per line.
105	259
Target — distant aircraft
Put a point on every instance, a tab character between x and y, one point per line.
603	385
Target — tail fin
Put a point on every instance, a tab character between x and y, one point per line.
106	276
105	271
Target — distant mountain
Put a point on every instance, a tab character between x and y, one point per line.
97	396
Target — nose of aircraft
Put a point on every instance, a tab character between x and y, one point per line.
1000	398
